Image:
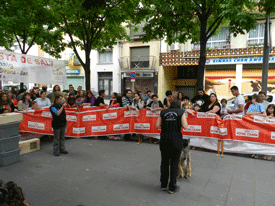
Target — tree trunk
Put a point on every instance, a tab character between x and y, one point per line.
202	60
87	73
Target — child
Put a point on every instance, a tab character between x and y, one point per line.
197	108
72	101
270	112
224	108
186	104
256	108
33	106
78	100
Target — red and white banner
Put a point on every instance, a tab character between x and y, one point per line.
95	121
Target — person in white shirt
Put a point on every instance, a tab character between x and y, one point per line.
43	102
262	99
224	108
239	102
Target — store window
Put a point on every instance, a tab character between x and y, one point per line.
105	82
256	35
105	57
222	40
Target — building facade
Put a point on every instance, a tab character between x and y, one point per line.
141	58
230	61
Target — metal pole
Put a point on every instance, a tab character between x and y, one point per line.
266	55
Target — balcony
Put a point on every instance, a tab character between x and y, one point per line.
138	63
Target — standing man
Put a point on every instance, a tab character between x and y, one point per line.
239	102
170	122
59	124
201	99
100	99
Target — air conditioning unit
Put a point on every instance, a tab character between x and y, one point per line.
174	46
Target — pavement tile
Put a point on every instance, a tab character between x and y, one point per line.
242	186
217	202
219	177
238	198
263	198
100	172
216	191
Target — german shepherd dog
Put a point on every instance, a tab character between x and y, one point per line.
184	167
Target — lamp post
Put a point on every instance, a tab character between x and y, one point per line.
229	85
266	54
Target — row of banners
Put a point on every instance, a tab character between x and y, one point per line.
95	121
29	69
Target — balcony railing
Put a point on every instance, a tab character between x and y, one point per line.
137	62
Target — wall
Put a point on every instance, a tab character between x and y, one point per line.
107	67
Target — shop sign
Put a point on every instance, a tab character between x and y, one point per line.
238	60
72	71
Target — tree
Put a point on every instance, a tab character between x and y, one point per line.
91	25
25	22
197	20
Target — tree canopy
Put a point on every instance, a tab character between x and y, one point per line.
196	20
95	24
27	23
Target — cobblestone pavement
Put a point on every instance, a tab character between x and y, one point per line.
100	172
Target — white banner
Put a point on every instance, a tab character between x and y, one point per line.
30	69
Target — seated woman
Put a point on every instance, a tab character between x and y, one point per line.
137	103
14	101
43	101
213	106
65	96
6	105
25	103
256	108
89	99
116	102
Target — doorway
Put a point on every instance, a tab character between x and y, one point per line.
187	91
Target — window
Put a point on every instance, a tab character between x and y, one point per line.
139	32
256	35
219	41
106	57
139	57
105	81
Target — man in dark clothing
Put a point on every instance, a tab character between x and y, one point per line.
201	99
170	122
59	124
100	99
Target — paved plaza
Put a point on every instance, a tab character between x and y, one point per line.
103	172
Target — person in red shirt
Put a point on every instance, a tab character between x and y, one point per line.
14	101
247	105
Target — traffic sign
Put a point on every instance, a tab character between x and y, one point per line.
133	75
133	80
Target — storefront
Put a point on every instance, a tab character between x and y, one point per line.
75	78
224	69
